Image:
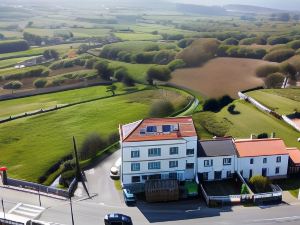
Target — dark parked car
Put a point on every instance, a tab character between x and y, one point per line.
129	197
117	219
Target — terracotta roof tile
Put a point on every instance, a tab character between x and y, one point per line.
294	155
260	147
185	125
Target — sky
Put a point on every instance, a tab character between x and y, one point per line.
278	4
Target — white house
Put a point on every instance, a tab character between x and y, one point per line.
216	159
158	149
266	157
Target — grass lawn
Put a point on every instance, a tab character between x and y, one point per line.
29	146
12	62
249	121
137	36
291	184
276	102
290	93
222	188
21	105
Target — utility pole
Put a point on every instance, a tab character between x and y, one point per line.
3	207
39	197
71	207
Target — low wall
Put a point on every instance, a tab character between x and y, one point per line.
290	122
254	102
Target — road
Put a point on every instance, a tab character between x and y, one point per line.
108	200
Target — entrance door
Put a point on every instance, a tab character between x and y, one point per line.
264	172
218	175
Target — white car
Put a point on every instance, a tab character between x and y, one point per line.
115	170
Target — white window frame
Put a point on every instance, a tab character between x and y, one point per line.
175	164
209	164
176	149
225	161
154	165
154	152
135	167
135	154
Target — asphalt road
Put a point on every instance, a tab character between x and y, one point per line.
108	200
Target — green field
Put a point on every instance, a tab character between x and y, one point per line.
21	105
11	62
137	36
62	49
281	102
249	121
29	146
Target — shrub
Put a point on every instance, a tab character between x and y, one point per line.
231	41
262	136
185	42
278	40
51	54
150	48
274	80
40	83
103	70
244	189
260	183
289	70
92	144
13	85
128	81
211	105
163	57
225	100
120	73
176	64
144	57
265	70
161	73
89	64
279	55
161	108
294	44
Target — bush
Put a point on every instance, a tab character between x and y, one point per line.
265	70
103	70
244	189
231	110
89	64
185	42
128	81
161	73
176	64
224	101
262	136
163	57
92	144
121	73
274	80
161	108
40	83
278	40
13	85
294	44
279	55
211	105
51	54
150	48
260	183
231	41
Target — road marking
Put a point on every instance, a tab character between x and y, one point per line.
193	210
279	219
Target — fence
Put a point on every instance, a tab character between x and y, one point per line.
254	102
42	188
290	122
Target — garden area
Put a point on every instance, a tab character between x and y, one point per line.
222	188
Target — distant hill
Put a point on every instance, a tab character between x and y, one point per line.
251	9
200	9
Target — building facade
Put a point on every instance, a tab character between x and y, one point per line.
158	149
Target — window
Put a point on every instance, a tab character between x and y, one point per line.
154	152
250	173
166	128
173	164
154	165
135	179
228	174
190	151
190	166
277	170
251	161
265	160
278	159
151	129
208	163
205	176
227	161
144	177
135	167
135	154
173	175
174	151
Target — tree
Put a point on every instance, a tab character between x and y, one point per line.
13	85
120	73
112	89
267	69
231	41
40	83
161	108
128	81
161	73
225	100
260	183
2	36
262	136
289	70
51	54
32	38
279	55
274	80
176	64
83	49
13	46
244	189
103	70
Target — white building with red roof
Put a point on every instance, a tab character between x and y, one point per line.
266	157
158	149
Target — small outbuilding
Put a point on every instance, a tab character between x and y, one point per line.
294	161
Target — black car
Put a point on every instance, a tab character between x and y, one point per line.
117	219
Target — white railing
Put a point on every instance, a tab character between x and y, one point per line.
290	122
254	102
